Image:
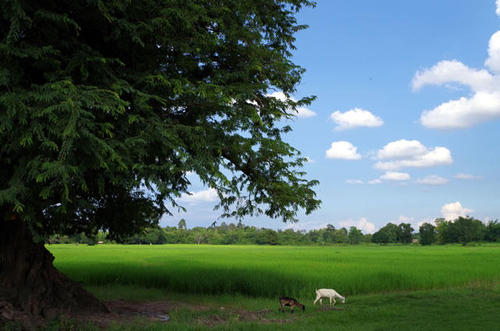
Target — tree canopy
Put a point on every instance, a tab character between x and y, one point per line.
427	234
106	106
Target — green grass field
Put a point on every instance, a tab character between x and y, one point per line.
387	287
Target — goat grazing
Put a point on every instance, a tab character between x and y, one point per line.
290	302
328	293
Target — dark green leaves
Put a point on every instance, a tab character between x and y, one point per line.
106	105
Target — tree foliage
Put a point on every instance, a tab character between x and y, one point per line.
386	234
224	234
105	106
427	234
355	235
404	234
462	230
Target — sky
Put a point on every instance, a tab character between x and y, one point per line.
406	124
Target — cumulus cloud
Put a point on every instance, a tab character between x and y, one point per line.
302	112
411	153
493	61
466	176
406	219
482	106
355	118
451	211
362	224
415	224
426	220
401	149
342	150
388	176
306	226
209	195
394	175
453	72
498	7
464	112
432	180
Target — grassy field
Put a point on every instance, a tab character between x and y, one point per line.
387	287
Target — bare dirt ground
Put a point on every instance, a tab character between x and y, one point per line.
126	312
159	311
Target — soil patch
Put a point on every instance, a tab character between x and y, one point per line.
127	312
159	311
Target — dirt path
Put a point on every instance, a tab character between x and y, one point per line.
160	311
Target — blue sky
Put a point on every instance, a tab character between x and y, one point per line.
406	123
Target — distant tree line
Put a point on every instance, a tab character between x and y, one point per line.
461	230
227	234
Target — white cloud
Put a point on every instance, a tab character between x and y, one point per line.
209	195
425	220
406	219
306	226
355	118
389	175
362	224
464	112
453	210
455	72
411	153
342	150
432	180
467	176
397	176
498	7
302	112
493	61
482	106
415	224
401	149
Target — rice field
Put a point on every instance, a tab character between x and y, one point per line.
264	271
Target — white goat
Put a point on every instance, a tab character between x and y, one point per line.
328	293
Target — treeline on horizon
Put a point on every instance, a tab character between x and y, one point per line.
462	230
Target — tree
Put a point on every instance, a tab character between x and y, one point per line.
355	235
463	230
340	235
427	234
443	234
467	229
386	234
267	237
492	231
404	233
105	106
182	224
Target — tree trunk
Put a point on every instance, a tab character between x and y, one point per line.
30	284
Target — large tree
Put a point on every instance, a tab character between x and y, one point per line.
106	106
427	234
405	233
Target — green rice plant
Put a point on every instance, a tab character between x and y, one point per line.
270	271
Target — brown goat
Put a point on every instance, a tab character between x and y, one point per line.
290	302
